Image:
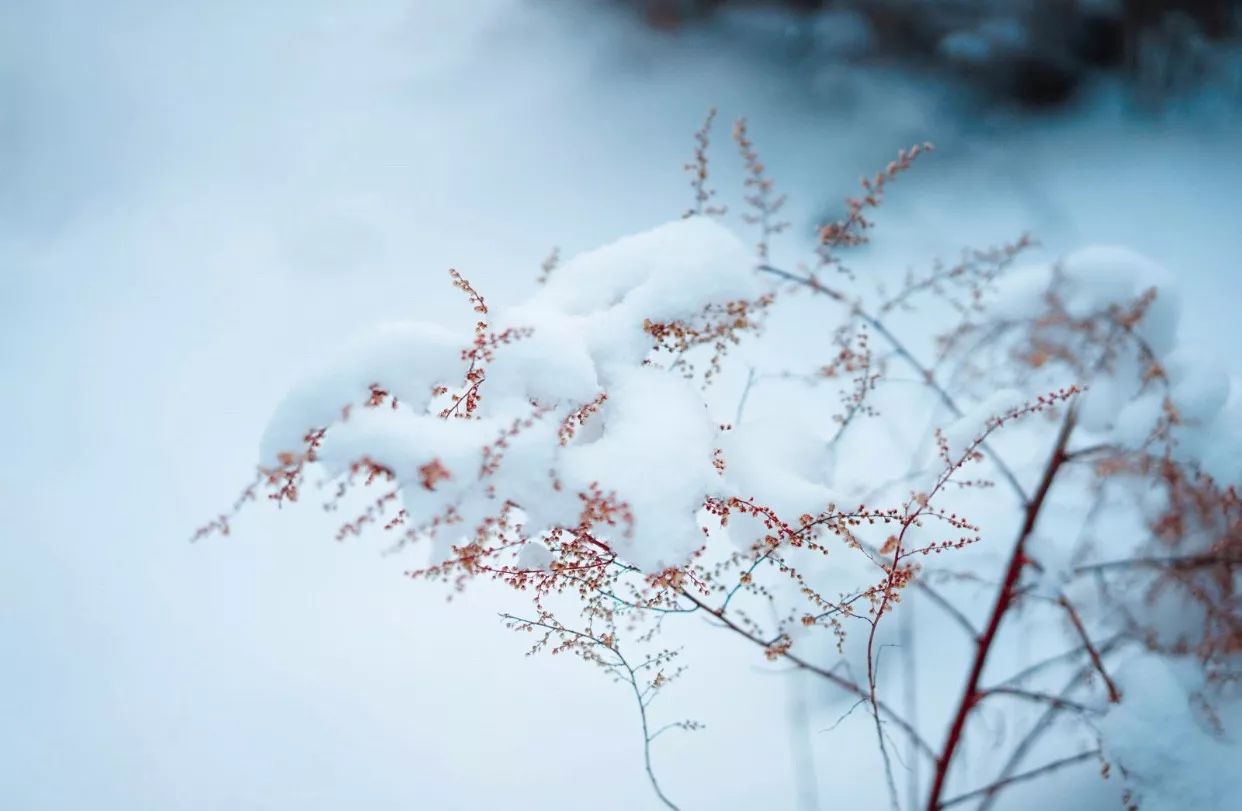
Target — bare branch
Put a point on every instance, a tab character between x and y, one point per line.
1047	768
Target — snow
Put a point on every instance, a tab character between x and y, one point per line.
977	422
1168	751
653	441
552	364
1107	395
1198	386
1119	405
1091	279
664	274
1218	446
534	555
1021	292
655	452
785	464
409	359
1101	276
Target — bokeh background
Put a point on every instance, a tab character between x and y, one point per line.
199	200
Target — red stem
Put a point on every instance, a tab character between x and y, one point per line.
1004	601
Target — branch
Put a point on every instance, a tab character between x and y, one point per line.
1057	702
1027	672
1114	695
1047	768
925	372
1176	563
1004	599
629	675
838	680
932	594
1038	729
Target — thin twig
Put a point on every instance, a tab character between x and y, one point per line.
629	674
838	680
1047	768
1185	562
935	596
1058	702
1041	725
1114	695
1069	655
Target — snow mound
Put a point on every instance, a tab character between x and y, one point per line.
569	411
1168	749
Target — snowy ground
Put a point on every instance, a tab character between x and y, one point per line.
196	204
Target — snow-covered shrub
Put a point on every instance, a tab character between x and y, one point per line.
590	448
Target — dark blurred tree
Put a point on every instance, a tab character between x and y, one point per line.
1034	53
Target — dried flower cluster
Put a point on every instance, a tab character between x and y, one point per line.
718	326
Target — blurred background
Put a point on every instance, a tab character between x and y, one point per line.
199	200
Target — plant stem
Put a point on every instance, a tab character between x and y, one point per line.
1004	601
